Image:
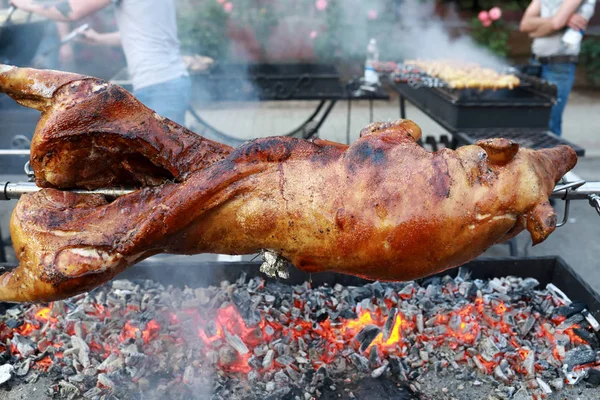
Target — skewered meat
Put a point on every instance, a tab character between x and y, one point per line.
466	75
382	208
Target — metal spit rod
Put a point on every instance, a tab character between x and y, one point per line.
579	190
14	190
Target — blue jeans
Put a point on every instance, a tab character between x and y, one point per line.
169	99
562	75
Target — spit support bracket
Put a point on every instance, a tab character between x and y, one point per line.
576	190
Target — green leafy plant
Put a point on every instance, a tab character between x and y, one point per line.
203	28
589	59
494	37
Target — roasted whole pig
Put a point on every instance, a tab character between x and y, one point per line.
383	208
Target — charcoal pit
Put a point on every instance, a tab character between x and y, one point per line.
168	330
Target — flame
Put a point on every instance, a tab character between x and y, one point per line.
523	353
151	331
43	314
489	365
500	309
43	364
575	338
129	332
25	329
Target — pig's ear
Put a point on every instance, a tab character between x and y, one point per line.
499	151
541	222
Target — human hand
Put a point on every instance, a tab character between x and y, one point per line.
577	22
90	36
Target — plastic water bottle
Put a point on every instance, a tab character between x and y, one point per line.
572	38
371	75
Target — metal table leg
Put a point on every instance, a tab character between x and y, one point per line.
348	121
306	130
2	248
402	107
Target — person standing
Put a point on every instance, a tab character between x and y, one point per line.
546	21
148	34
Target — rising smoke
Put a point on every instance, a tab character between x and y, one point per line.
410	29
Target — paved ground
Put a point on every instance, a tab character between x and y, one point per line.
577	242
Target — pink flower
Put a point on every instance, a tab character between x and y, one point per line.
220	1
313	34
321	5
372	14
495	13
228	7
487	22
483	16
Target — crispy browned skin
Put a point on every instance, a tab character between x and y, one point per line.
383	208
92	134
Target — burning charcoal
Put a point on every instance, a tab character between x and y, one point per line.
227	355
105	381
389	323
557	383
321	315
543	385
132	360
269	299
360	293
589	337
529	283
293	374
281	378
374	360
93	393
527	325
569	322
488	349
14	323
579	356
235	342
360	362
572	309
25	346
270	386
23	367
83	350
6	372
366	336
420	326
268	360
284	360
68	390
379	371
455	322
498	373
522	394
188	375
440	330
496	285
302	360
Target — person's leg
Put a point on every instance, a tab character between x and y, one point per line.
562	75
168	99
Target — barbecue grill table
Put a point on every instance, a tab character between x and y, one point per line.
529	128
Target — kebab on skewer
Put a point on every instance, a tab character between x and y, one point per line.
382	208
